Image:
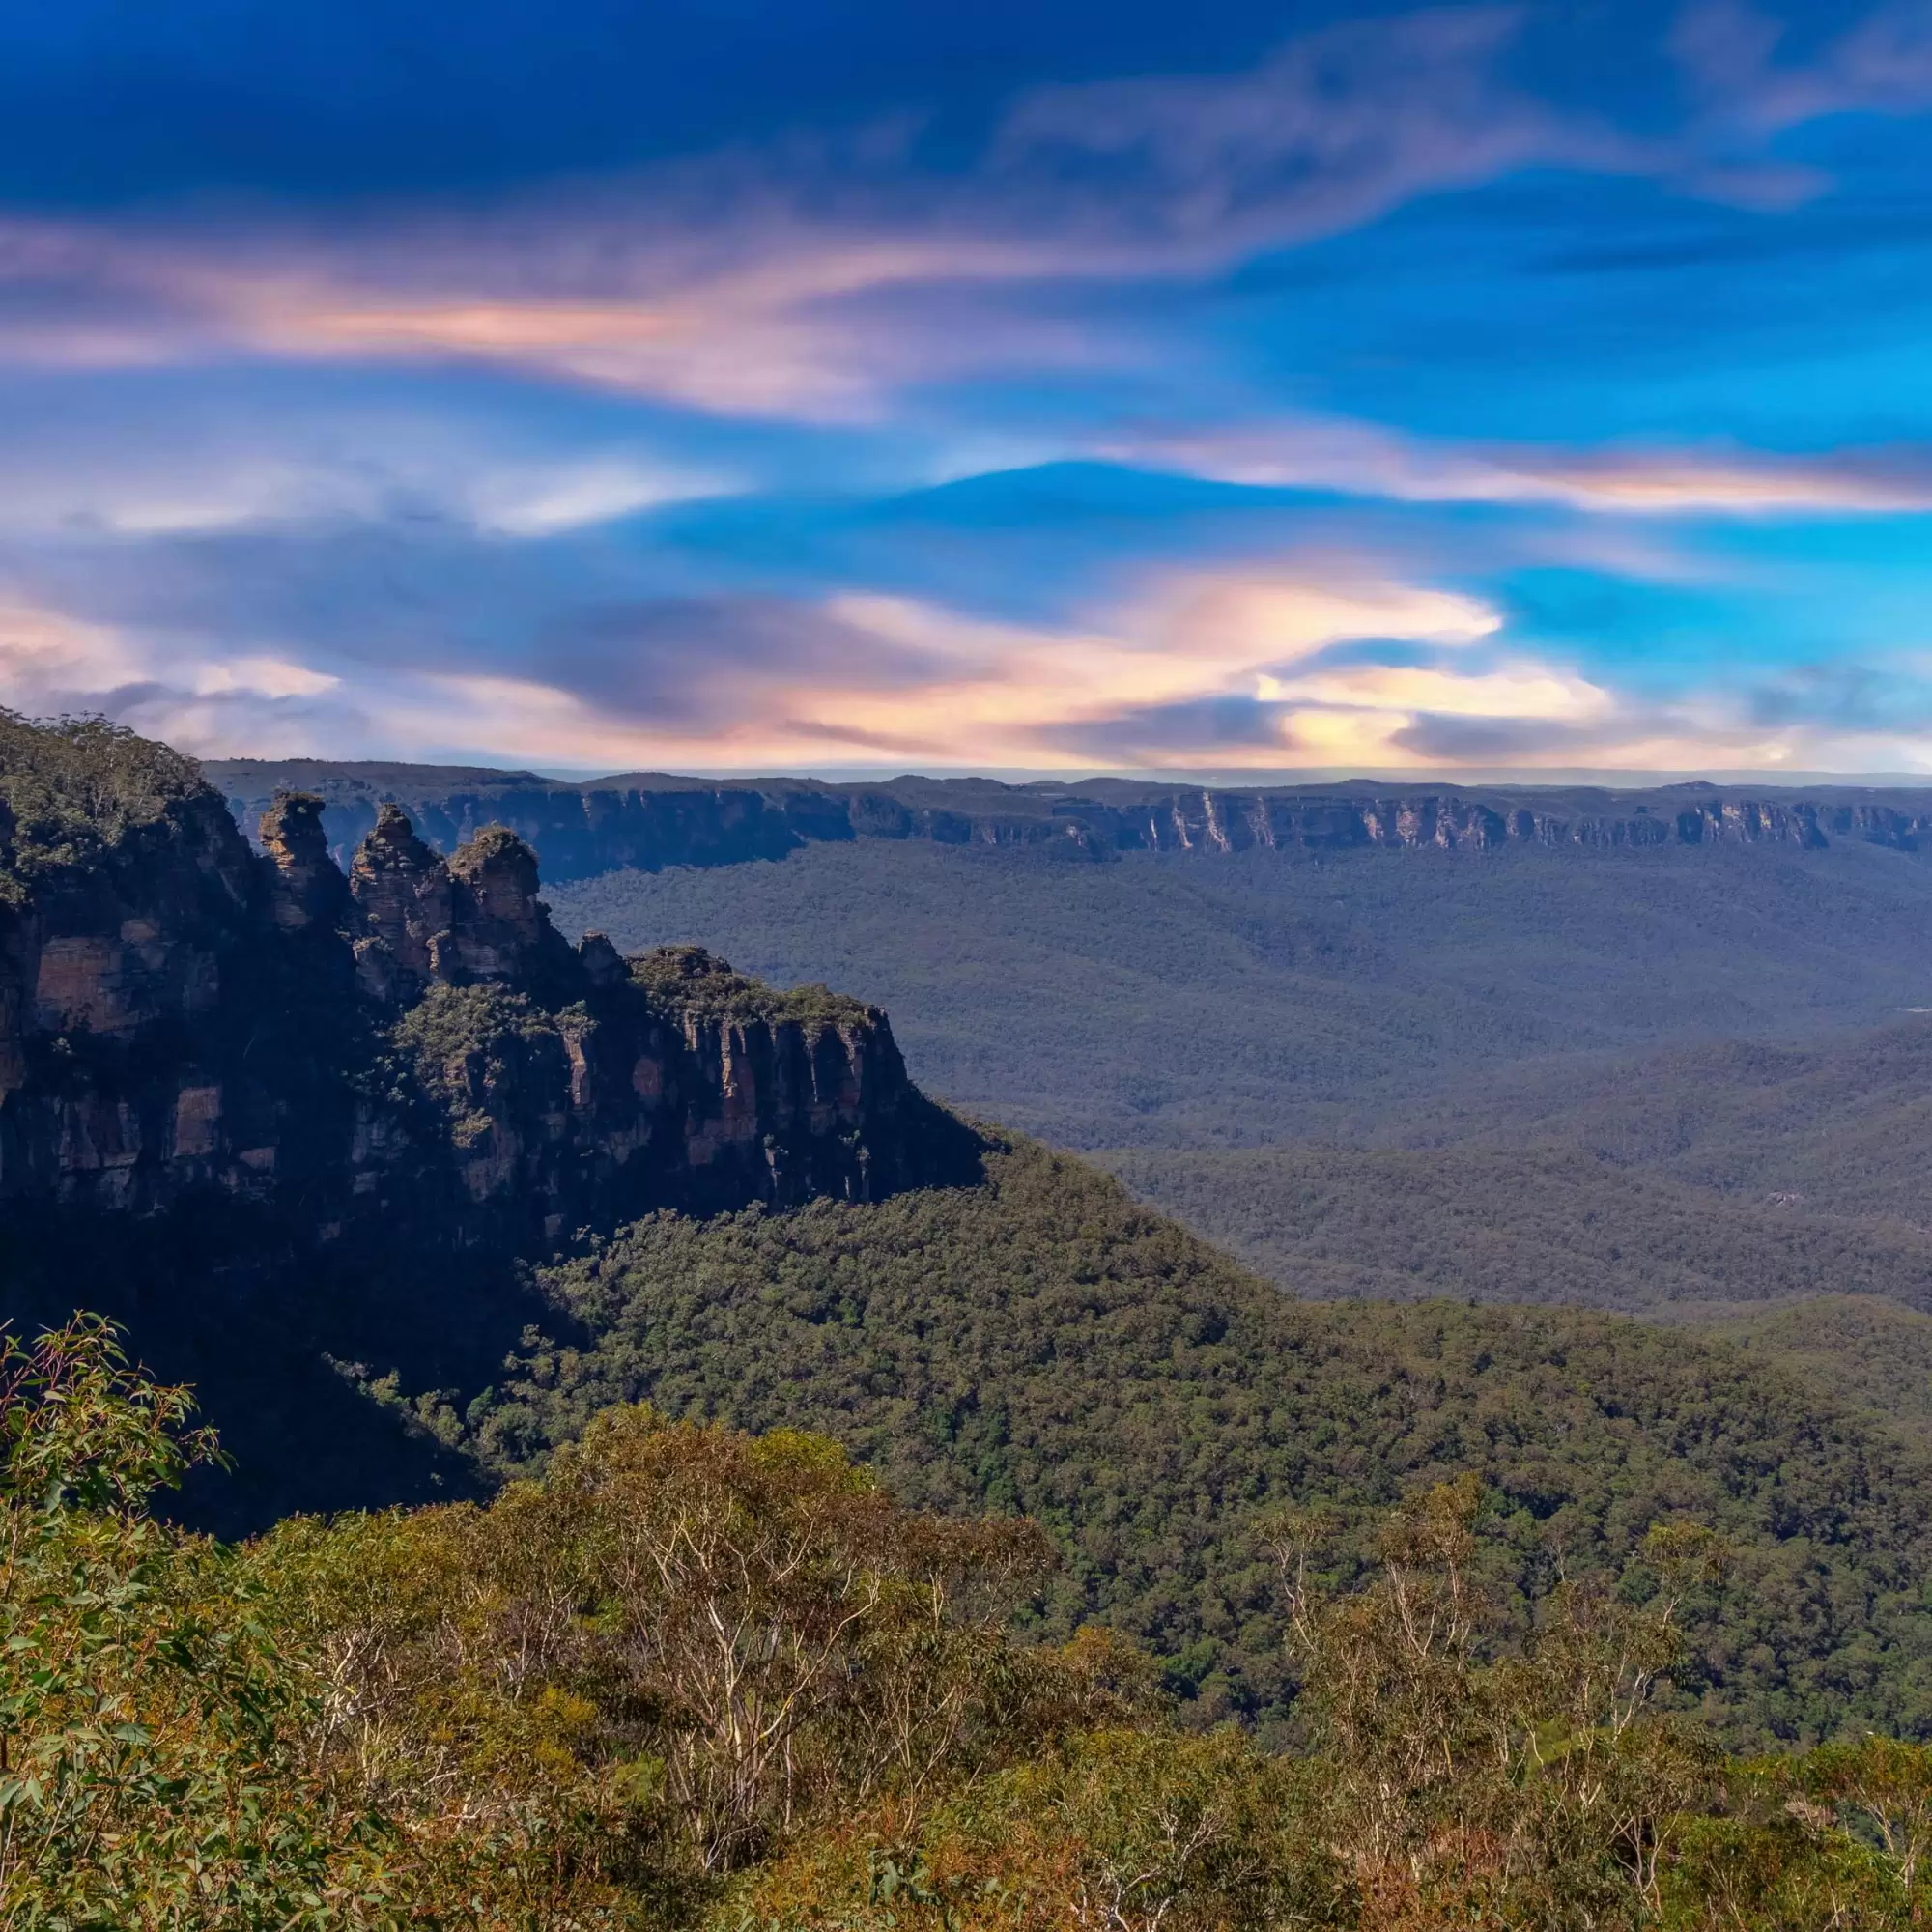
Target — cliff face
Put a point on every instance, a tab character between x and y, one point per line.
410	1046
649	822
125	1002
1225	821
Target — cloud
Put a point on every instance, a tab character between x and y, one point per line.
51	663
537	499
1849	697
745	306
1881	63
762	681
743	679
1008	695
1326	666
1359	459
176	458
1334	129
812	277
716	665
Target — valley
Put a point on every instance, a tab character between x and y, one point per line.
1648	1081
1221	1201
1210	1000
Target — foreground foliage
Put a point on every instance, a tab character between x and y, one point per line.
696	1679
151	1725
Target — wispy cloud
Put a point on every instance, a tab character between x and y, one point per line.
1334	129
1878	62
203	461
51	663
752	308
812	278
1366	460
420	474
748	680
1234	669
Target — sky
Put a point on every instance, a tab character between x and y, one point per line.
996	385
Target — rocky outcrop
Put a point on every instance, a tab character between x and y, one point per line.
472	920
409	1049
123	985
650	822
306	890
401	890
681	1084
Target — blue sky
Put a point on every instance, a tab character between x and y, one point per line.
1047	386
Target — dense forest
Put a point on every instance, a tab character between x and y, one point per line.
1041	1343
1537	1224
690	1678
1734	1171
1873	1355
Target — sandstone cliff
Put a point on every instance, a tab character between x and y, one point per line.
298	1125
649	822
408	1046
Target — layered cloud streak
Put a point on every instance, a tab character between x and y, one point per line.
1235	415
815	277
1238	670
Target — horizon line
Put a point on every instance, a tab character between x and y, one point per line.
1244	778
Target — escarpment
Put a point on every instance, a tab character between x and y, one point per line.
650	821
406	1045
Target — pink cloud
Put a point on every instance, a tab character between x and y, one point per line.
1365	459
812	278
1216	671
601	287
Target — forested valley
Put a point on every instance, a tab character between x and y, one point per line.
1666	1082
671	1473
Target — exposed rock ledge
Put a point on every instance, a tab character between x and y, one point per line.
182	1017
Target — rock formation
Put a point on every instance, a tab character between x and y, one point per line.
401	889
306	890
410	1046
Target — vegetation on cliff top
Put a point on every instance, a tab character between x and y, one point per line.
1042	1345
688	979
73	787
463	1043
